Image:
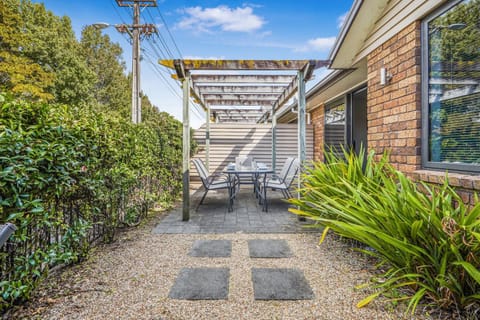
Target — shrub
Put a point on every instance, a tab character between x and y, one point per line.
426	239
69	177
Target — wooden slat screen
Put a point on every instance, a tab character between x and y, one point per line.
230	140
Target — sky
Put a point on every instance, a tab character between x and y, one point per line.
225	29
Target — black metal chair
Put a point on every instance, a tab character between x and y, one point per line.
282	182
212	181
245	162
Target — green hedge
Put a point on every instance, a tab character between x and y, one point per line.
70	177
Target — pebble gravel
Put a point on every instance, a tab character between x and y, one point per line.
131	279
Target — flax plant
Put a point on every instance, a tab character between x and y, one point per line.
426	239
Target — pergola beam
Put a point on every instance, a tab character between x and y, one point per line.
241	89
240	97
287	94
263	79
198	96
258	109
293	65
240	102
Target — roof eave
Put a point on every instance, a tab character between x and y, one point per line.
345	28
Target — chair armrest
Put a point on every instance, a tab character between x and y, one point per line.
215	176
274	178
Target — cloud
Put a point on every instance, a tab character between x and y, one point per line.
341	20
317	44
223	17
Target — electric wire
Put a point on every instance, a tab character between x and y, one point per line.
118	12
168	30
159	35
156	68
161	53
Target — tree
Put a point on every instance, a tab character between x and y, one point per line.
53	45
104	59
20	74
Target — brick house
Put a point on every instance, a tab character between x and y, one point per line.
406	78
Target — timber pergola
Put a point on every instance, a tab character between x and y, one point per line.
244	87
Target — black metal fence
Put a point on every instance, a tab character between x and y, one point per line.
102	219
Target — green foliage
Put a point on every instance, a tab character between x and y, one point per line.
53	45
19	73
426	239
112	88
73	171
66	173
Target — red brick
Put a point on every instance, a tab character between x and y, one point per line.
466	182
409	29
476	182
407	81
464	195
414	160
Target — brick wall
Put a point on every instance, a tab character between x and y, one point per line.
318	122
465	185
394	110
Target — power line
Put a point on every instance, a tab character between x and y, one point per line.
161	38
118	13
155	67
162	53
196	111
135	31
168	30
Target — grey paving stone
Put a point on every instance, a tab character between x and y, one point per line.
280	284
211	248
269	249
191	229
212	216
201	284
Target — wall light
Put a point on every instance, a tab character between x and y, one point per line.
385	77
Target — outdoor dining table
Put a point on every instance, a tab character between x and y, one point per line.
256	172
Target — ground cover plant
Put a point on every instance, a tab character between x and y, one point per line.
427	241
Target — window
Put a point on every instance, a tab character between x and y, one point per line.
335	126
451	87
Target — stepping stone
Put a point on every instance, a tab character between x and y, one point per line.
269	249
211	248
280	284
201	284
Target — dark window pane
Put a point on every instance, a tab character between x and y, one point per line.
335	127
453	85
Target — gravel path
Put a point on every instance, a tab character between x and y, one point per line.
131	279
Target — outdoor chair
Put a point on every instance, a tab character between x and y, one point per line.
212	181
283	181
283	173
245	162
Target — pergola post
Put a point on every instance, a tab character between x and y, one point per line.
301	122
274	139
186	148
207	140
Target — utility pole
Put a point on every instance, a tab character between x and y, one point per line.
136	30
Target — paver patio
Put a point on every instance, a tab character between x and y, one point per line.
247	216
